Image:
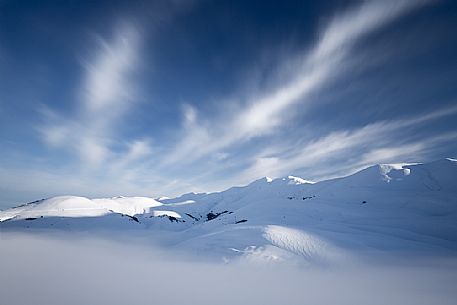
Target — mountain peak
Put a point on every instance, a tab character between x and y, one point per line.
261	181
297	180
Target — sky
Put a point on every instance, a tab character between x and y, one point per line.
160	98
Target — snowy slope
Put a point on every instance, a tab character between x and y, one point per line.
388	207
71	206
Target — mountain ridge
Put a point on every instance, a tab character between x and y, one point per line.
386	207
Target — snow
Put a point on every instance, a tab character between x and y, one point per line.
73	206
297	180
157	213
297	242
384	208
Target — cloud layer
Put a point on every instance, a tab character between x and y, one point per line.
80	270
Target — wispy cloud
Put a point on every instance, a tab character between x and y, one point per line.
350	149
245	137
107	93
107	82
263	114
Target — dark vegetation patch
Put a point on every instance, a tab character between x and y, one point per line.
211	215
26	204
131	218
174	219
193	217
309	197
303	198
170	218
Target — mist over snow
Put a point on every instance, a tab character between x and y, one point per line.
77	269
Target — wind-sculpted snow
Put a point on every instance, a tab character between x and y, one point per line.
299	242
389	208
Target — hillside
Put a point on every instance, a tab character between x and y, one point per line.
383	208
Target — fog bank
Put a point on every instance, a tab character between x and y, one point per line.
39	269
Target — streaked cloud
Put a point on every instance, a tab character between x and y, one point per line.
262	114
106	94
344	151
141	115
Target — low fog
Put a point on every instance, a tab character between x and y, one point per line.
49	269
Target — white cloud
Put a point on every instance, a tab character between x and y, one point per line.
138	149
351	149
106	94
55	135
107	82
190	115
263	114
207	145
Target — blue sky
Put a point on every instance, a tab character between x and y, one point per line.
151	98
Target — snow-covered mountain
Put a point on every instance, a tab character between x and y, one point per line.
387	207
